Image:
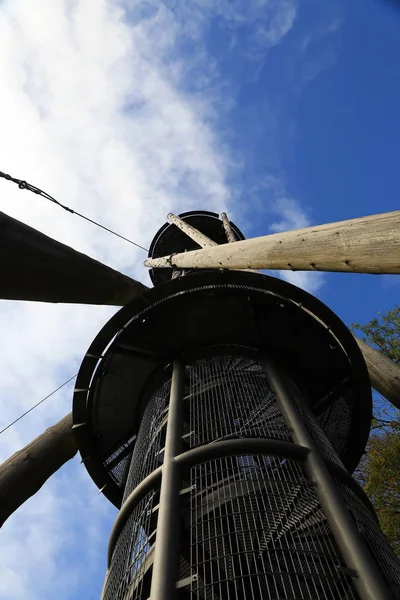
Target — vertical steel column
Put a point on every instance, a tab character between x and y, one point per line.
368	580
166	551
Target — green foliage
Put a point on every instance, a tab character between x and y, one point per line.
383	332
382	482
379	469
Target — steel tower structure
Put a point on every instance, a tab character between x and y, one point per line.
224	412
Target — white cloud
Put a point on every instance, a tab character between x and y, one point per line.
95	108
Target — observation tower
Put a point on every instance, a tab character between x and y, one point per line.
223	412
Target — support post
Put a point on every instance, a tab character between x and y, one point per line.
369	581
230	236
383	372
200	238
37	268
197	236
166	551
364	245
24	473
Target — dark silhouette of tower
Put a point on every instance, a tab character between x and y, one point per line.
223	412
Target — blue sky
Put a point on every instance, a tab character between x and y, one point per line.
284	113
320	114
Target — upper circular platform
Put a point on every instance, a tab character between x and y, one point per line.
169	239
200	314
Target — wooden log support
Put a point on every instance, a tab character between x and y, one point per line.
364	245
24	473
37	268
230	236
383	373
197	236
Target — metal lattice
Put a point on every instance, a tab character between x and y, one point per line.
229	397
134	550
257	531
376	540
251	525
118	462
147	454
333	417
133	554
319	435
256	527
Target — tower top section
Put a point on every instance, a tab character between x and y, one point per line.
169	239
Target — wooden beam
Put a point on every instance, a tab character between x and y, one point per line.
24	473
230	236
383	373
197	236
364	245
35	267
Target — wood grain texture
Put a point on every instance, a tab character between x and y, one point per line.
35	267
24	473
230	236
364	245
197	236
383	373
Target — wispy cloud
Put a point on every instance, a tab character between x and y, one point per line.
287	213
105	107
260	24
320	45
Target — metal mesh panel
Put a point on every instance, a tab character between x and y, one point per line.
147	455
314	427
377	542
257	531
334	418
133	554
251	525
119	461
229	397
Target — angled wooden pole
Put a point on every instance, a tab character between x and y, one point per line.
35	267
197	236
24	473
230	236
363	245
383	373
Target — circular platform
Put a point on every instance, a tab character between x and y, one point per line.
212	313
